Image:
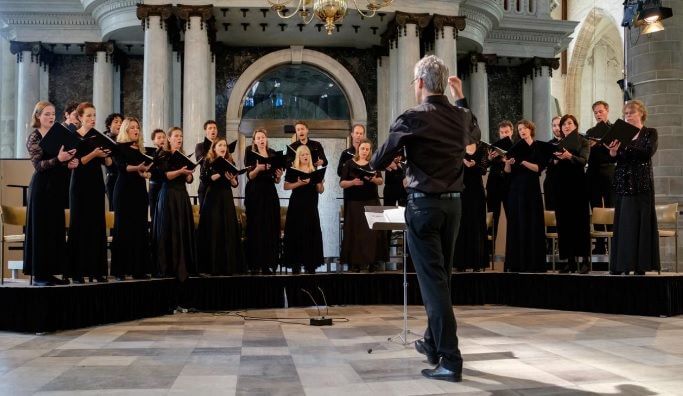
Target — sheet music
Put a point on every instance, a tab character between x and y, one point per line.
387	216
373	218
396	215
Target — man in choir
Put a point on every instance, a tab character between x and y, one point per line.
113	124
200	151
497	181
434	174
600	171
357	135
71	117
548	182
316	149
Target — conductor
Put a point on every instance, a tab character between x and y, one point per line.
434	134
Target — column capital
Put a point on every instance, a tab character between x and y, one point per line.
390	35
401	19
185	12
458	23
39	54
144	11
533	67
112	52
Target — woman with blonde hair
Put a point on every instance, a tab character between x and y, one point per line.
219	245
87	241
635	246
303	240
130	243
361	247
45	243
173	228
262	207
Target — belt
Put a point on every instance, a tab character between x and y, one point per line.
450	195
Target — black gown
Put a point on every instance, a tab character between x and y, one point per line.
173	228
361	246
219	242
45	243
130	253
635	246
471	245
525	239
303	240
87	243
156	180
572	205
262	207
549	194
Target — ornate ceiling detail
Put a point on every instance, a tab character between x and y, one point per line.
458	23
70	19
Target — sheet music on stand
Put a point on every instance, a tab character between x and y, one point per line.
390	218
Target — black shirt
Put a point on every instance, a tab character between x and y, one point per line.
315	148
365	192
434	134
345	156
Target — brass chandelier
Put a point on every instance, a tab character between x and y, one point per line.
328	11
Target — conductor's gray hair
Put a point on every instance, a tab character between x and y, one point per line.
433	72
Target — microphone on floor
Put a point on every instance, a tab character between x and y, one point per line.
320	320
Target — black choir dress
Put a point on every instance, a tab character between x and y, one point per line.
45	243
219	238
173	229
87	243
549	194
525	239
572	205
130	252
262	207
112	172
361	247
303	240
471	247
635	246
156	180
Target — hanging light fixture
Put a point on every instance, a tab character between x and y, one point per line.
328	11
650	16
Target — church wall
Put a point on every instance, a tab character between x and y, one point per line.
70	81
505	97
131	87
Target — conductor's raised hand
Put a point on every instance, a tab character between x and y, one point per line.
455	85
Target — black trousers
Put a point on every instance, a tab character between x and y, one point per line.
494	198
201	193
433	225
111	182
601	190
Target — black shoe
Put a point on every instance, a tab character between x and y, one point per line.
101	279
78	281
141	277
42	282
266	271
584	269
355	269
616	273
638	272
565	270
599	251
422	347
57	281
121	278
296	270
441	373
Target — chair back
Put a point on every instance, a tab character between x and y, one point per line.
13	215
195	215
283	217
602	216
67	217
489	220
109	219
549	218
667	214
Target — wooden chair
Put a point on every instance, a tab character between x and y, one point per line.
195	215
15	216
491	236
283	219
667	215
109	225
604	217
550	221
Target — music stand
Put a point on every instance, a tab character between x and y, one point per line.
378	220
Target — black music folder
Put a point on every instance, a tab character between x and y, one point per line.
277	161
361	173
519	151
316	176
59	136
598	132
544	151
231	146
221	165
178	160
571	143
491	147
621	131
132	155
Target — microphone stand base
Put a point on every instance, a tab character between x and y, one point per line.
321	321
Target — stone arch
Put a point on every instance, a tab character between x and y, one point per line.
295	55
598	28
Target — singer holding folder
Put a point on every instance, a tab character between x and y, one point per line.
87	243
219	245
635	246
45	243
434	135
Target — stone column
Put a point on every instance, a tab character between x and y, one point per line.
195	84
28	91
211	108
117	89
393	81
445	42
176	88
383	99
8	107
542	103
156	85
479	97
527	98
409	27
103	80
44	89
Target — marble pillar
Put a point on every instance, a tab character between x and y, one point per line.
211	108
28	94
445	47
527	98
383	99
195	84
103	87
479	98
8	105
156	85
393	81
542	103
44	82
176	88
408	56
116	91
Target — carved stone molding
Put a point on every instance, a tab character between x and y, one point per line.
534	66
27	19
390	35
163	11
39	54
401	19
185	12
457	22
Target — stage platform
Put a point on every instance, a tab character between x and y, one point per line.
45	309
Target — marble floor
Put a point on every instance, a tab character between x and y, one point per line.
507	351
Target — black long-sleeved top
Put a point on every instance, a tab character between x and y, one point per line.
434	135
633	173
315	147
